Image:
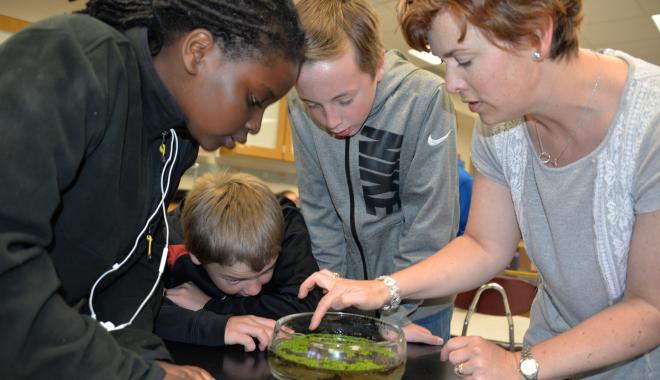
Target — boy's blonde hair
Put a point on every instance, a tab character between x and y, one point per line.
334	26
232	218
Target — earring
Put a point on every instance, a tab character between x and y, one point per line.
536	55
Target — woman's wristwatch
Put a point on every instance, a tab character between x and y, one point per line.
528	366
393	287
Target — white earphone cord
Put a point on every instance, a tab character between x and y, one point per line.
171	160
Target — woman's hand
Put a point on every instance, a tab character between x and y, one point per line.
188	296
342	293
474	357
184	372
244	329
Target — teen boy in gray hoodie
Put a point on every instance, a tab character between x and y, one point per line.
375	143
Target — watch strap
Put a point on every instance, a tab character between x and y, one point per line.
528	366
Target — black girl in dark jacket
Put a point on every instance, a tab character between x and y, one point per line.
100	115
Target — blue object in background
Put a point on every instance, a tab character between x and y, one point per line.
464	195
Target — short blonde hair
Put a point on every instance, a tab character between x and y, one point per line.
232	218
334	26
512	22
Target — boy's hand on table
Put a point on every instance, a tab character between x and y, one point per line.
246	330
419	334
184	372
188	296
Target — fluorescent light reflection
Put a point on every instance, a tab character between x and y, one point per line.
425	56
656	20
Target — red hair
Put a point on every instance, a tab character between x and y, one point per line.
507	24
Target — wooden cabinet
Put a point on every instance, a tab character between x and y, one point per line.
274	140
12	25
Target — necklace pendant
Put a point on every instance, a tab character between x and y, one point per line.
545	158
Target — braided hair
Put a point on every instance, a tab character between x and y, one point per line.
242	28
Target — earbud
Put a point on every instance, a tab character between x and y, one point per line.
165	178
108	325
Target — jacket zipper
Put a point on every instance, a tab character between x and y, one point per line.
351	198
162	149
150	240
158	166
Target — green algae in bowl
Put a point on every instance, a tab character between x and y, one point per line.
344	347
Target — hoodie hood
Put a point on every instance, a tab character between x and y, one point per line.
398	68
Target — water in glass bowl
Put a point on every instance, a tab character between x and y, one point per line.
344	347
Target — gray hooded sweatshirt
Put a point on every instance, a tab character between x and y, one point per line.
387	197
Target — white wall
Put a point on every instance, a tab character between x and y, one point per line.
4	35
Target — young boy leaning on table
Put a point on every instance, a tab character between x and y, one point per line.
243	258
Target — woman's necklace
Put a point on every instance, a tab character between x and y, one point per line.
546	157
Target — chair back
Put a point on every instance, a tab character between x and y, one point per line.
520	294
501	296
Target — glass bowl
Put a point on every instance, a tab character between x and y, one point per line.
344	346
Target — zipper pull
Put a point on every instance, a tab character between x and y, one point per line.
150	239
162	149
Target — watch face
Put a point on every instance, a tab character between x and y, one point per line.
528	367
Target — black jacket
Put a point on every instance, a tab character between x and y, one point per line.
82	115
279	297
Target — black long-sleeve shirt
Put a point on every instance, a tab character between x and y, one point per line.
82	114
279	297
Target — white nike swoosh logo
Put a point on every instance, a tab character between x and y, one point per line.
434	142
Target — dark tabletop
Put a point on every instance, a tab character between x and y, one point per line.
232	363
